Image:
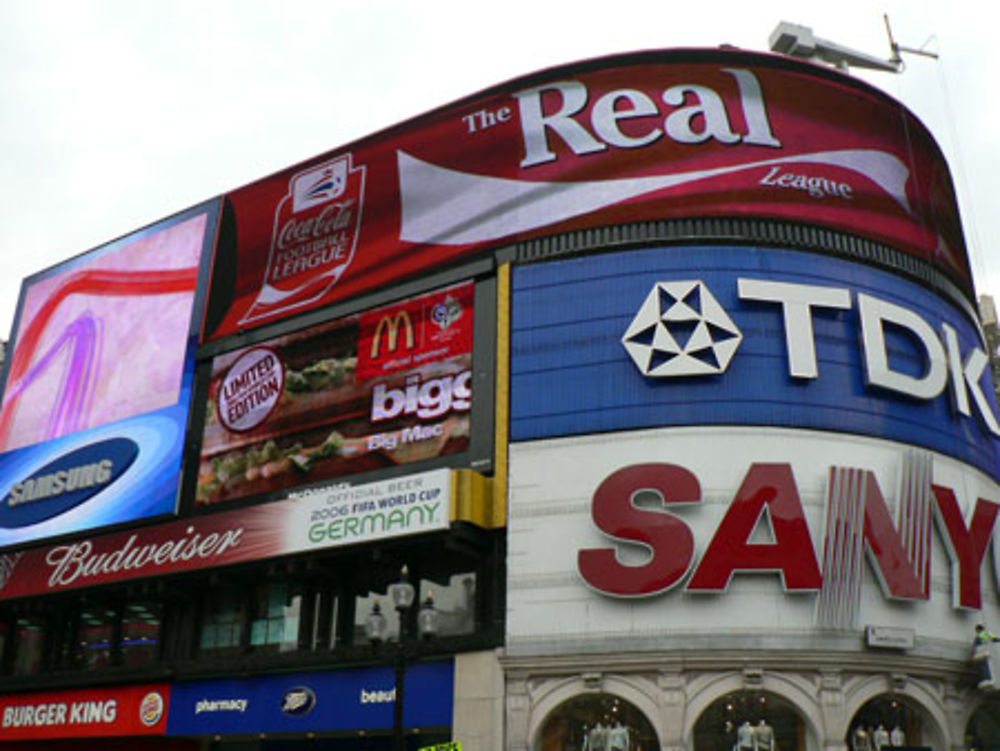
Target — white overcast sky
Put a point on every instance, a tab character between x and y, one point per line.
116	113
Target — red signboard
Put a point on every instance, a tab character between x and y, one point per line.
315	519
82	713
390	386
650	136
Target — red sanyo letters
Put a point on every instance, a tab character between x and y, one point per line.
772	487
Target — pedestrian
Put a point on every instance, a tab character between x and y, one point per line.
981	655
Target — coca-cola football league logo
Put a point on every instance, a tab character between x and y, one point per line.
316	226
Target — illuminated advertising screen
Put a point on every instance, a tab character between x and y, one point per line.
98	382
386	387
643	137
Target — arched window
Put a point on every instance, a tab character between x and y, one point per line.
752	721
597	722
983	731
887	721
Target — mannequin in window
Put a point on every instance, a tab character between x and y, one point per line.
745	737
763	737
880	737
596	739
897	737
618	739
860	740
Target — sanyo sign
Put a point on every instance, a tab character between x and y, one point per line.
857	520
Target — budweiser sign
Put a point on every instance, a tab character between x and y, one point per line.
316	518
80	560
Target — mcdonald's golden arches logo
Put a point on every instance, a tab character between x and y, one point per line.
390	325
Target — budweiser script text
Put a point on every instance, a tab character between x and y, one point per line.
79	561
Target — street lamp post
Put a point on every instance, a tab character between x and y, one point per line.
403	595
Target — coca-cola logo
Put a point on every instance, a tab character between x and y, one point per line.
336	216
316	226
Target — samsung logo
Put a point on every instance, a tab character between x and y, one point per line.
68	481
63	481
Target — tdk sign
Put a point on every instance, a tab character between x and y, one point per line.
681	330
747	336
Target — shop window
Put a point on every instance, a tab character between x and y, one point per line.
884	722
142	623
597	722
325	612
983	730
752	721
95	637
277	612
29	641
223	620
455	603
364	606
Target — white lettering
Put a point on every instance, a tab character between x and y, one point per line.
943	365
797	302
78	560
534	123
607	114
426	400
707	109
700	115
875	313
378	696
62	481
754	113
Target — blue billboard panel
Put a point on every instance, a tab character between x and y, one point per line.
359	699
97	387
725	335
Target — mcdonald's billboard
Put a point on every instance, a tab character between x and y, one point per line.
389	386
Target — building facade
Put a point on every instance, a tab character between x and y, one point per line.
661	374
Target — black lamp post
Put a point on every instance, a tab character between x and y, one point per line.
403	595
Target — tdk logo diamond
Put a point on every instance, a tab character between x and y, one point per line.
681	330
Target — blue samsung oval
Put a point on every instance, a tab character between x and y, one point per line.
67	482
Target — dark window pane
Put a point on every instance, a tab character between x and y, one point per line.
141	624
95	637
277	613
222	623
30	639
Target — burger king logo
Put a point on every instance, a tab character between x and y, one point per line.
151	708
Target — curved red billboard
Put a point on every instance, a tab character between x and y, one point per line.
649	136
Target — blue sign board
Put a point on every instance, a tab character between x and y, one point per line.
343	700
720	335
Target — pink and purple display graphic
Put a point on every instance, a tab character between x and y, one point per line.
105	338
